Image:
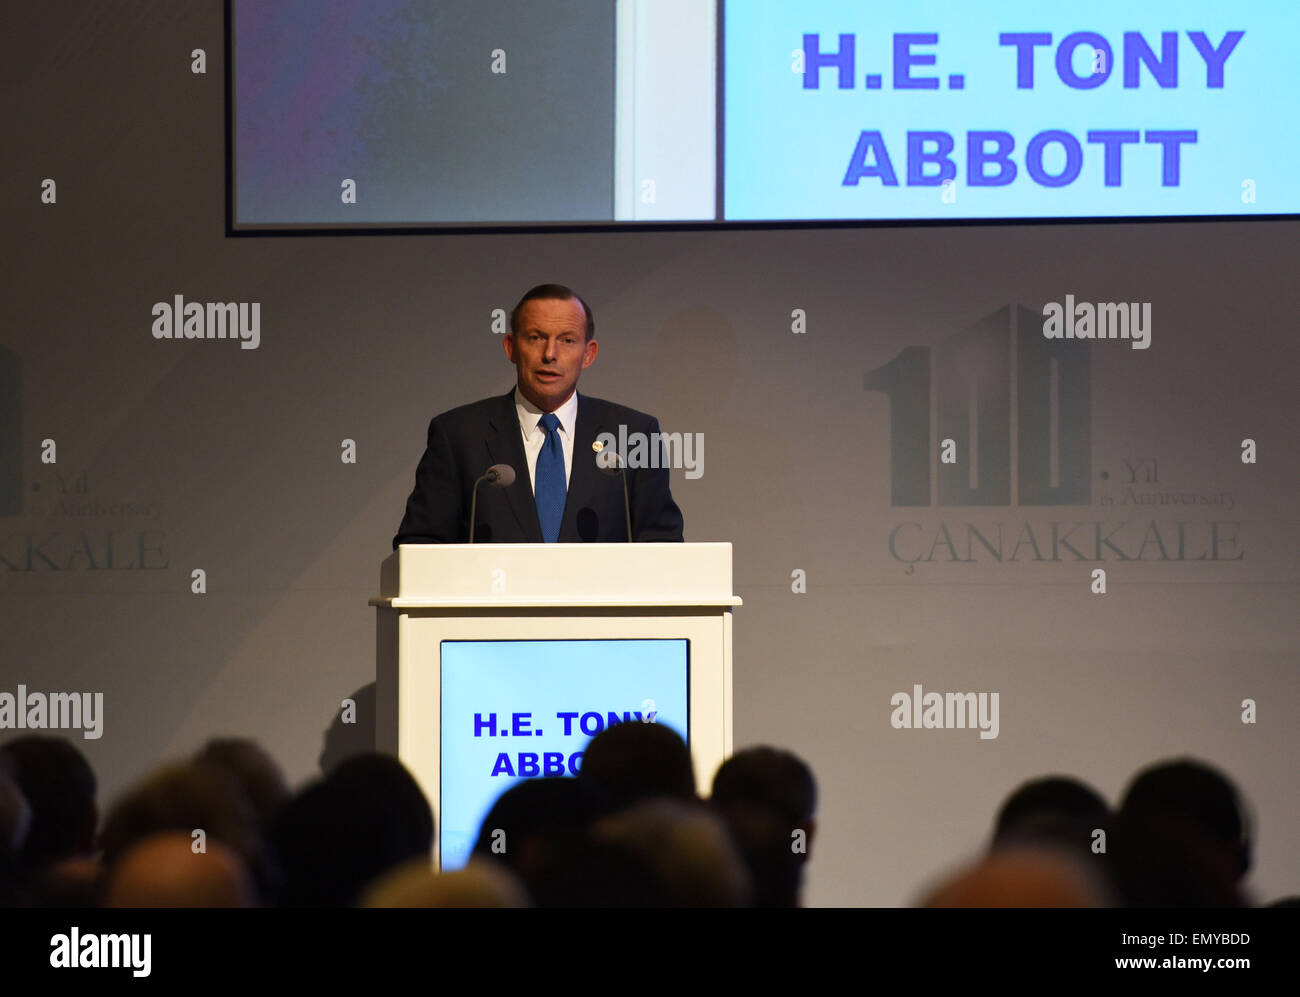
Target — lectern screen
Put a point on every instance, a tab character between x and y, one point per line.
519	709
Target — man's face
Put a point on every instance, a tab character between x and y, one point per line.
550	350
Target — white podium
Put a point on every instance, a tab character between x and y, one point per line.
446	607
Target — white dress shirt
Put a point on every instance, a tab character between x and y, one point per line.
530	417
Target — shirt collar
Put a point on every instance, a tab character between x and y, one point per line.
530	415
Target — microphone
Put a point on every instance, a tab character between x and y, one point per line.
611	462
498	476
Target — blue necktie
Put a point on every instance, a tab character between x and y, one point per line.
549	482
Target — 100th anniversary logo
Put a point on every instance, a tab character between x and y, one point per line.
1014	383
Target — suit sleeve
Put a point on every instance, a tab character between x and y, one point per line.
434	510
655	516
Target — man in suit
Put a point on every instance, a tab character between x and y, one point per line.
547	433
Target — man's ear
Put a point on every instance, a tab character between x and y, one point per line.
589	354
509	344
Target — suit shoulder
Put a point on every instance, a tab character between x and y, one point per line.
471	413
613	411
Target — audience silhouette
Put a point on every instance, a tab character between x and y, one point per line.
224	830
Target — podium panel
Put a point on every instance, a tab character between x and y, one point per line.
498	662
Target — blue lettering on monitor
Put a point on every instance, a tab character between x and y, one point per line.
977	155
1024	43
815	59
1073	158
1053	157
1163	70
905	59
526	709
929	149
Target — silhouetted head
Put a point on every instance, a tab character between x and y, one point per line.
1198	800
772	850
633	761
772	778
414	884
201	802
693	858
60	788
768	799
1057	810
336	836
1159	861
256	772
576	871
526	818
164	870
1023	877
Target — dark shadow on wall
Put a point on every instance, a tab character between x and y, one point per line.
357	735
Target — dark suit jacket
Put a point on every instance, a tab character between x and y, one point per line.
466	441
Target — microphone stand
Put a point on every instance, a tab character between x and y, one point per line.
473	503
